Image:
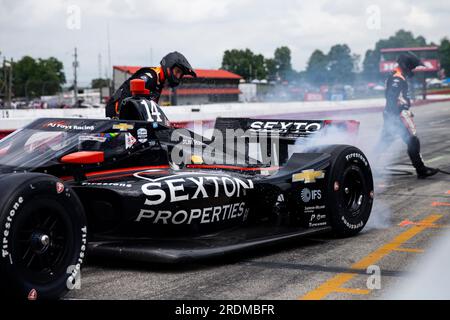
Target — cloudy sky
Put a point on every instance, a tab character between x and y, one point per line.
142	31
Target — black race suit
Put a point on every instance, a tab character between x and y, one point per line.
398	120
151	76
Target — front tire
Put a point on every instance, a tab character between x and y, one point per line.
44	236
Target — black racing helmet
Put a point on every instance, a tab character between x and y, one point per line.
176	59
408	61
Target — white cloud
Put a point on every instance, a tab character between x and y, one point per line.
419	17
203	29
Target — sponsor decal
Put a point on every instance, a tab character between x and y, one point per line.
351	225
56	124
123	126
284	127
190	216
308	176
92	138
308	195
191	141
107	184
357	155
142	135
7	227
279	205
59	187
171	188
32	295
313	209
280	198
65	126
71	281
317	220
129	140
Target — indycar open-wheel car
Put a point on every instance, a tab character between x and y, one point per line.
110	188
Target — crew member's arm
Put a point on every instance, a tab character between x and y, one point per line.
153	84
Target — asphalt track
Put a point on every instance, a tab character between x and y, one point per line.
409	215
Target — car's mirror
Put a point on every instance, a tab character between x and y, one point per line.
84	157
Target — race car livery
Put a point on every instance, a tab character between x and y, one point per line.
110	188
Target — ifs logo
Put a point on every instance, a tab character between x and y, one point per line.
307	195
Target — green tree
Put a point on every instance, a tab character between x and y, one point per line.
444	55
282	58
244	63
317	68
272	69
400	39
340	64
99	83
37	77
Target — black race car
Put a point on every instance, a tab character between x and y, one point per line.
71	187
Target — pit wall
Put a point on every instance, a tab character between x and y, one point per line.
181	116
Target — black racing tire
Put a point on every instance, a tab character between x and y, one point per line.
44	236
349	189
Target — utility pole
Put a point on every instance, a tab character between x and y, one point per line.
99	65
75	85
4	86
110	85
10	83
151	57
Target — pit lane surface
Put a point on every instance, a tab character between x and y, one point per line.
409	215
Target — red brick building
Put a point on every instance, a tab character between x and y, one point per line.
210	86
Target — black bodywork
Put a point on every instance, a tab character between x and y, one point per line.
140	205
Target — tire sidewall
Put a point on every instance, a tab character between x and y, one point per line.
32	192
346	159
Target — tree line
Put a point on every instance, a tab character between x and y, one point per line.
338	65
36	77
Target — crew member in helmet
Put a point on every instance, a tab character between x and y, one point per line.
398	119
174	66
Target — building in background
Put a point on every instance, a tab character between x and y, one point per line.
428	55
210	86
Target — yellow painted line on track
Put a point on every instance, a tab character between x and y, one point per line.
353	291
409	250
335	284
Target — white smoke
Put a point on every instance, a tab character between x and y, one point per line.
366	140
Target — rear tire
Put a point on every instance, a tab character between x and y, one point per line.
350	189
44	236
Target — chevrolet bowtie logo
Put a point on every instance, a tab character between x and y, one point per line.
123	126
308	176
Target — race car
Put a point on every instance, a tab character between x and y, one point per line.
111	188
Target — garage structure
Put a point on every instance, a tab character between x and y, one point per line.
210	86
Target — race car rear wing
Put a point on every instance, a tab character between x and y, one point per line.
286	132
285	129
